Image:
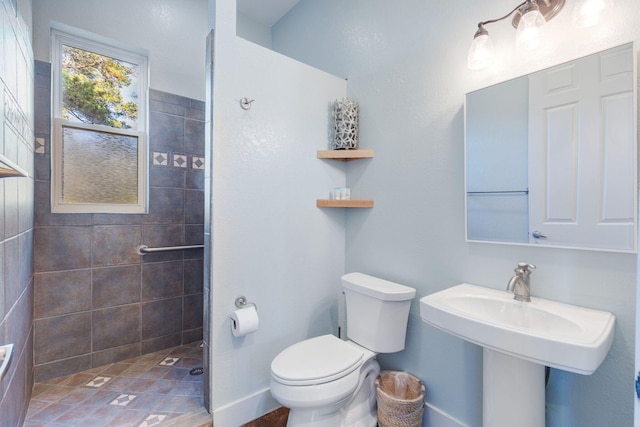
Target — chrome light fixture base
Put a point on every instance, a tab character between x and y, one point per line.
548	9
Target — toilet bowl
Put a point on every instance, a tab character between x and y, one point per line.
328	382
321	376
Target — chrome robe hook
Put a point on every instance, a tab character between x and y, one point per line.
245	103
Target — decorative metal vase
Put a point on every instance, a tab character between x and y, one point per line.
345	124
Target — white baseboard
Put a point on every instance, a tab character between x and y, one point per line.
435	417
260	403
244	410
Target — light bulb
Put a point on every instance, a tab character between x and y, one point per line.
587	13
529	29
481	50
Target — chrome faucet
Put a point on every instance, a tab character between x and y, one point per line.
520	284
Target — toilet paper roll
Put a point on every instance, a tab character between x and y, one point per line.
244	321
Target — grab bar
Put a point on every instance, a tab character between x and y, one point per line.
144	249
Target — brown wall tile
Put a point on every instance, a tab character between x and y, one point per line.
62	248
166	132
166	206
192	335
115	354
62	292
62	337
115	245
159	343
193	276
192	315
162	280
116	285
194	207
194	136
162	317
194	235
116	326
61	368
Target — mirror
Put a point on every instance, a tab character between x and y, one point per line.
551	156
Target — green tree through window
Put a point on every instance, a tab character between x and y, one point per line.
97	89
99	153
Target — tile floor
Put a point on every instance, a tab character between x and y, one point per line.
150	390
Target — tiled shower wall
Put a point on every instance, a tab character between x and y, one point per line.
16	210
96	300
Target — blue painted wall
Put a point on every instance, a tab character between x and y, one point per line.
406	65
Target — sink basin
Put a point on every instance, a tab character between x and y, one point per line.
545	332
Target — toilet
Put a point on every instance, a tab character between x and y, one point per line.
328	382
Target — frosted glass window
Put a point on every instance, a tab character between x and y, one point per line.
98	148
90	159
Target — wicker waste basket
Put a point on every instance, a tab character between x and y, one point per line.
400	399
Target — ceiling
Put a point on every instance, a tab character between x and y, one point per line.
266	12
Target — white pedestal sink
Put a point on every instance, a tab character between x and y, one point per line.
519	340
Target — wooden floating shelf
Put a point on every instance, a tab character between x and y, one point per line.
321	203
345	155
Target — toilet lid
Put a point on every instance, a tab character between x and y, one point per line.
316	361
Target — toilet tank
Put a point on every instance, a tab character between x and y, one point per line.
377	312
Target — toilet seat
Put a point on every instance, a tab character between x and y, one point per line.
316	361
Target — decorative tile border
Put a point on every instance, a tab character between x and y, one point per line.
180	160
197	163
40	146
160	158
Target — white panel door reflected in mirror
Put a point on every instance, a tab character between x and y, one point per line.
551	157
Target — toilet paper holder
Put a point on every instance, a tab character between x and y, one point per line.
241	302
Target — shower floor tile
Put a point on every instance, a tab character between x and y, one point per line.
139	392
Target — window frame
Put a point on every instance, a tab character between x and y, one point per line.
62	35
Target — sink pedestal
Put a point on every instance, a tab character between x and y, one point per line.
513	391
519	339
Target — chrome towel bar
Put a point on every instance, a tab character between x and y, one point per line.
144	249
482	193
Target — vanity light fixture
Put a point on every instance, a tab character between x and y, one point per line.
528	18
481	50
528	31
587	13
